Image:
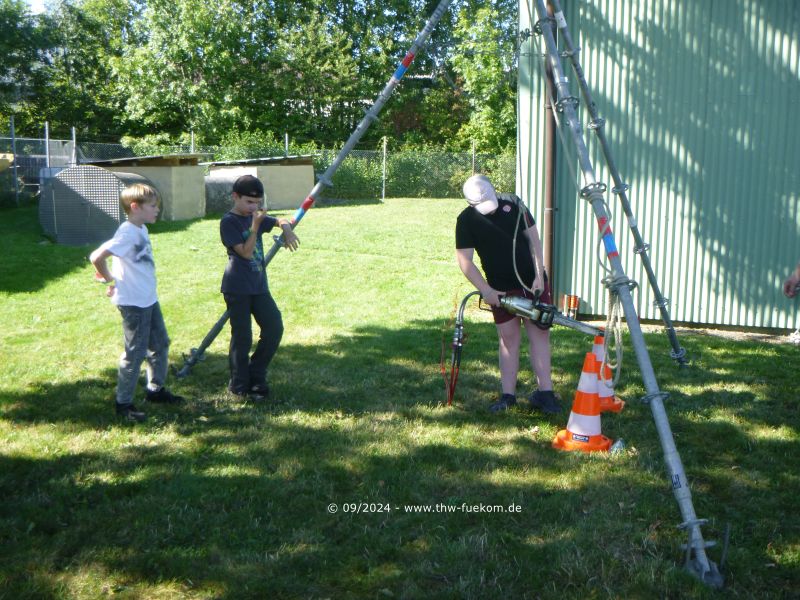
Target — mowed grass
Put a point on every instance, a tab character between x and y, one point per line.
221	499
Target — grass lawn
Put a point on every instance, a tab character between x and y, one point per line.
221	499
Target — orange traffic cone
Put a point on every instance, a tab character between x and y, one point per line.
583	428
609	401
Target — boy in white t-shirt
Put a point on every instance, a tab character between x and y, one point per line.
132	288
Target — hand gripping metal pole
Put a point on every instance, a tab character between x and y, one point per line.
326	180
697	560
620	188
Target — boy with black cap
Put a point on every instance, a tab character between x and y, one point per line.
245	289
511	257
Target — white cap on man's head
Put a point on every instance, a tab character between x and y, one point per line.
479	192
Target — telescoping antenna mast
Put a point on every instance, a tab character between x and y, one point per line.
326	180
620	188
697	561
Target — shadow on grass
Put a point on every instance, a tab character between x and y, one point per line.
29	259
243	512
229	499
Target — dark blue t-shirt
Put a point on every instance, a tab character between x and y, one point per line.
243	276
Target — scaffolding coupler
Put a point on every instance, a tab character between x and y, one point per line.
613	284
593	188
562	103
537	27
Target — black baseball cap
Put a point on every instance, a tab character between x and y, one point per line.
248	185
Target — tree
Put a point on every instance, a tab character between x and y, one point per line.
23	57
85	37
191	71
484	58
316	80
310	68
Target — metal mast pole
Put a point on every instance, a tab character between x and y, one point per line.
326	180
620	188
593	191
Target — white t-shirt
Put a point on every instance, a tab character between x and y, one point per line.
132	266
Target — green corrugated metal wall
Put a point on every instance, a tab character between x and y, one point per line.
702	109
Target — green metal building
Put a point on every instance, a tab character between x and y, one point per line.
702	108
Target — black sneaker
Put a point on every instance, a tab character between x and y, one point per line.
130	413
260	389
163	396
249	396
506	401
545	401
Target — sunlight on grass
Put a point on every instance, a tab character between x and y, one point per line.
784	433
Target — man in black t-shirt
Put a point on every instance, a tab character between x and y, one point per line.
506	239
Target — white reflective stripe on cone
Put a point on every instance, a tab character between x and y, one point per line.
598	349
587	383
583	424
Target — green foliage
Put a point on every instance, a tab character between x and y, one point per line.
155	144
314	71
190	73
23	57
485	62
129	68
238	145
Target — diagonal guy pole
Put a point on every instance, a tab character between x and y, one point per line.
196	354
697	561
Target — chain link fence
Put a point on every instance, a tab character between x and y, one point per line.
364	174
411	174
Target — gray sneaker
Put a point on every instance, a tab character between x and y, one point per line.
545	401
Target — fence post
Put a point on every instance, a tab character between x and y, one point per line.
14	157
73	159
47	144
383	191
286	144
473	157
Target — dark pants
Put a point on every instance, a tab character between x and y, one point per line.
146	339
248	371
